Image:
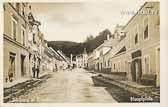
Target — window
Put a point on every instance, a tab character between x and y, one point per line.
114	66
106	64
23	38
146	30
119	66
109	63
14	28
136	38
11	72
23	10
101	53
147	64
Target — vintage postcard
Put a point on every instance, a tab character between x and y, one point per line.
81	52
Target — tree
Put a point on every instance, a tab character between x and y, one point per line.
89	38
74	48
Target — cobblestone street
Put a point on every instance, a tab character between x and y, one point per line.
67	86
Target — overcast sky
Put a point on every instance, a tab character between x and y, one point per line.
75	21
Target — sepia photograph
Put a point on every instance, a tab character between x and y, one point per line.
81	52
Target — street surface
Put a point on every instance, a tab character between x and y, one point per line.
74	86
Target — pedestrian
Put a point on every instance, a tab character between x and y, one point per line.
38	71
10	74
56	67
34	71
63	67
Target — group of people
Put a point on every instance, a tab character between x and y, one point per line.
35	71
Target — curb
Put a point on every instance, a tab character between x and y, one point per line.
102	81
21	88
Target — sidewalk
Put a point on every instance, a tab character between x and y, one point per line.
22	85
138	89
10	84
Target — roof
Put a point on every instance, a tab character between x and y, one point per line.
32	20
108	43
123	49
135	14
63	56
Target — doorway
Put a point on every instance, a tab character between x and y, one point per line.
97	66
136	70
101	67
136	66
22	65
11	72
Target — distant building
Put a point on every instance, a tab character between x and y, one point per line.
101	55
47	63
81	60
90	61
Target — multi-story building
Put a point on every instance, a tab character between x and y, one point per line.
90	61
103	52
143	45
85	57
118	32
48	60
65	61
117	45
81	60
35	42
138	49
118	57
16	54
52	60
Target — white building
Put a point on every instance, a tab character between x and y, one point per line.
81	60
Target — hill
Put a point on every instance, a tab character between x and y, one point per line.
75	48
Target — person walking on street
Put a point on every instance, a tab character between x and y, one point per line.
38	71
34	71
56	67
10	74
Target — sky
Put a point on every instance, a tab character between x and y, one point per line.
74	21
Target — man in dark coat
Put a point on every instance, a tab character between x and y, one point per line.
34	71
10	74
38	71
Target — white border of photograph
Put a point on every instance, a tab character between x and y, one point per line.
163	64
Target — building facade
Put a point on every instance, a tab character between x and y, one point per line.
90	61
143	44
25	47
16	54
102	54
81	60
112	61
138	49
35	43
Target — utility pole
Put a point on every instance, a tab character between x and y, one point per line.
71	60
